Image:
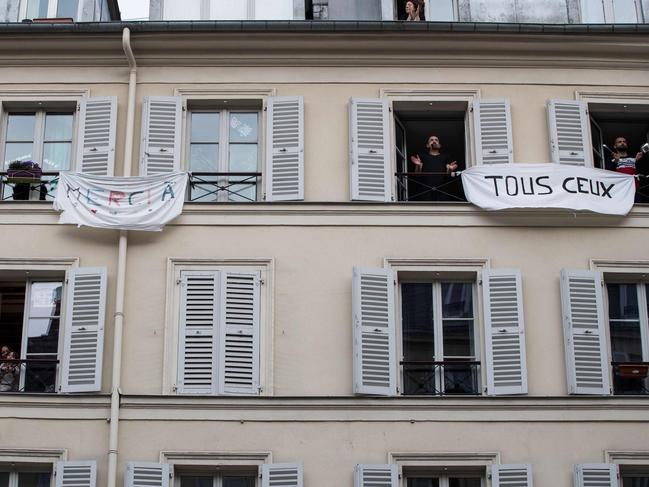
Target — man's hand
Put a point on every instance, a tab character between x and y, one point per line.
452	167
616	156
416	160
638	156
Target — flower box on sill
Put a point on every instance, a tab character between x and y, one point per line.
24	172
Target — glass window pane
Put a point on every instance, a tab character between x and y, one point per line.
464	482
33	479
622	301
37	9
228	10
58	127
417	321
43	335
4	479
422	482
457	299
626	342
17	151
243	158
635	481
205	127
204	157
238	481
243	127
273	10
458	338
625	11
442	10
196	481
45	299
592	11
185	10
67	8
56	156
20	127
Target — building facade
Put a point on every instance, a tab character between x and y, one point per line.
320	314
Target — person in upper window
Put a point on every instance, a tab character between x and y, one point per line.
437	182
8	369
621	161
414	11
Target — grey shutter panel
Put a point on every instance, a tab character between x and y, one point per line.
596	475
160	144
568	126
584	335
504	331
285	148
376	476
511	476
76	474
142	474
282	475
198	340
493	131
369	150
96	136
239	330
374	331
84	330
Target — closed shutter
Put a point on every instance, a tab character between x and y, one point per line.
596	475
160	144
282	475
374	331
96	136
504	331
76	474
141	474
376	476
239	333
511	476
369	148
584	335
285	149
199	313
493	129
84	330
568	126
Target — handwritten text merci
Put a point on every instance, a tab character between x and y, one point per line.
118	198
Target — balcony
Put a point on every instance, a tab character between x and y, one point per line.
428	186
630	378
210	187
43	190
30	375
447	378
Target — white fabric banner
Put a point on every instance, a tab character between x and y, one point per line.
503	186
124	203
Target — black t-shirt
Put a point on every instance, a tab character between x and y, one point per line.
434	187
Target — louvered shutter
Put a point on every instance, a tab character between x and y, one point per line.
376	476
160	144
584	335
369	148
493	131
142	474
84	330
504	331
76	474
96	136
596	475
239	333
198	342
511	476
568	126
374	331
282	475
285	149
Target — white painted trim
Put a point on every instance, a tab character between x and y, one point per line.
622	457
437	265
225	93
636	269
214	459
629	98
451	459
33	455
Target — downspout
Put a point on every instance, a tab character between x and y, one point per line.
113	438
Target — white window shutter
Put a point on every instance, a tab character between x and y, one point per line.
143	474
76	474
376	476
160	144
493	131
374	331
97	130
239	333
84	330
369	150
568	126
511	475
504	331
596	475
285	148
282	475
584	334
198	332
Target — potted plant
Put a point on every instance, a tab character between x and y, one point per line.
22	174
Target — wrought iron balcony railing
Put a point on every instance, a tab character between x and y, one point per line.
43	190
28	375
414	186
630	378
434	378
223	186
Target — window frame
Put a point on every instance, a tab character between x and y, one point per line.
206	10
31	460
389	11
52	7
609	12
437	463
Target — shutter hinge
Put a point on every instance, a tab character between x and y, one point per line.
78	107
479	282
260	389
179	282
184	108
67	281
266	108
261	282
174	388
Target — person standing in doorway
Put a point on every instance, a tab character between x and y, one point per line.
437	169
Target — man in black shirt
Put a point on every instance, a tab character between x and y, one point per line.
437	169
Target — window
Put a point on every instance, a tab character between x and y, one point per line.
443	10
225	479
25	476
459	479
228	10
612	11
40	9
631	478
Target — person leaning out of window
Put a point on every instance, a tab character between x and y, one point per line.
622	162
438	180
414	11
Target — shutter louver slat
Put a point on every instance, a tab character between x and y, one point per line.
96	136
596	475
493	131
375	476
160	151
282	475
511	476
141	474
76	474
568	124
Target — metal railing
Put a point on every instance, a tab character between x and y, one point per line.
412	186
39	190
630	378
449	377
28	375
223	186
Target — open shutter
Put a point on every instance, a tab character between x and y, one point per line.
511	476
285	148
369	149
493	129
96	136
84	330
374	331
141	474
568	126
584	335
160	144
504	331
198	332
376	476
76	474
282	475
596	475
